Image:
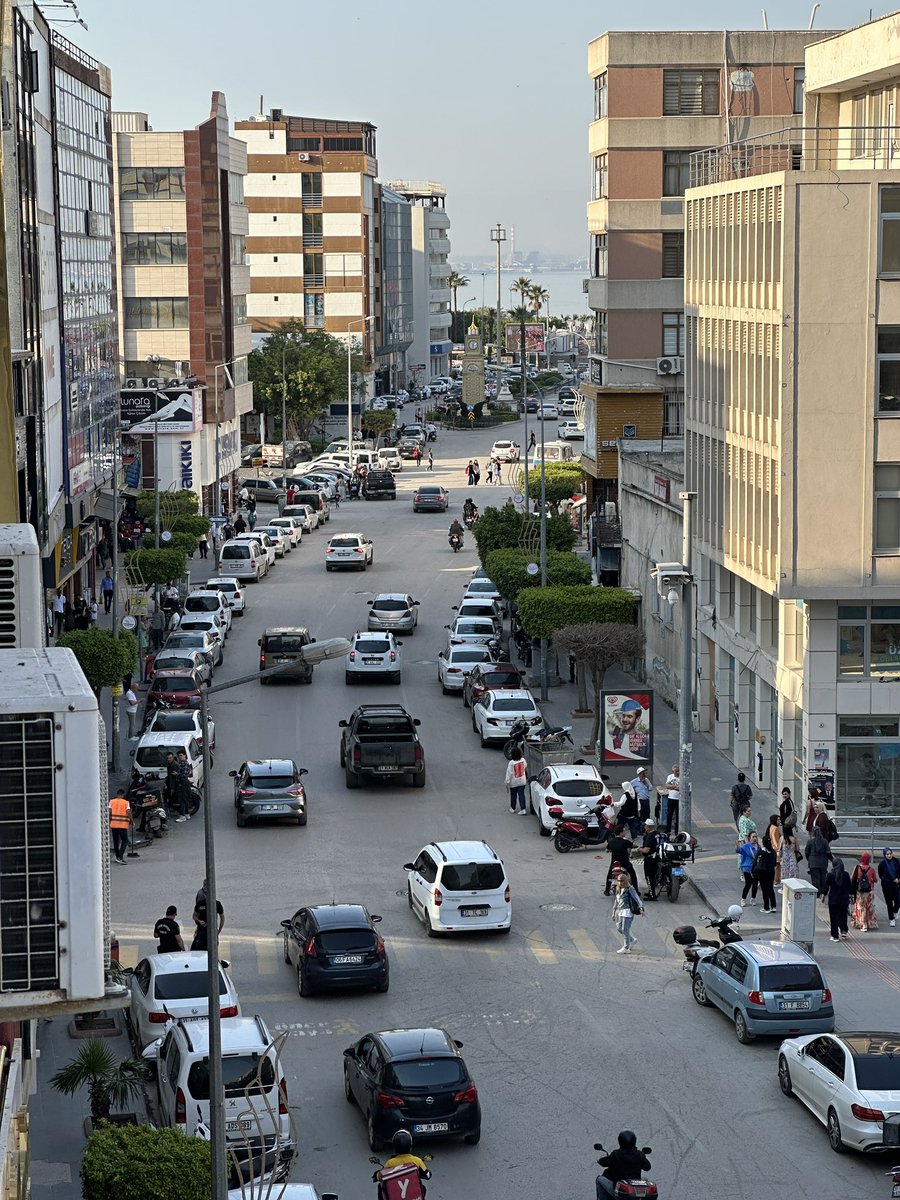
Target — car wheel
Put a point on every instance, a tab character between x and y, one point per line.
741	1032
327	567
384	985
445	689
375	1142
301	818
284	940
784	1076
698	991
343	756
429	928
833	1126
348	678
474	726
239	817
483	741
303	982
351	780
395	678
542	829
472	1139
465	699
348	1090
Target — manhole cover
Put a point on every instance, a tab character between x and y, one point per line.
558	907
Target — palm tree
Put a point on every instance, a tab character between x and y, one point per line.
455	281
109	1082
537	296
521	314
523	286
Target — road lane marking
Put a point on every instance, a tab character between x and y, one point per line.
540	948
128	954
585	946
269	957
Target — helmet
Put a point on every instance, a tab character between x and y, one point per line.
401	1142
734	912
627	1140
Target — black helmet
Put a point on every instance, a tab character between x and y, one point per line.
627	1140
401	1142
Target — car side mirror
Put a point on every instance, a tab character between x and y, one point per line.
329	1196
416	721
457	1044
456	608
416	603
342	724
409	866
375	917
285	924
233	774
302	771
349	1053
151	1053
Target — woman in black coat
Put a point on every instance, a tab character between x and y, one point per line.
836	891
764	872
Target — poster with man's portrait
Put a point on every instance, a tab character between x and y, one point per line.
627	733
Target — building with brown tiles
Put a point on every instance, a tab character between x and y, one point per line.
182	229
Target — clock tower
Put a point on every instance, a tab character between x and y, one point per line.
473	368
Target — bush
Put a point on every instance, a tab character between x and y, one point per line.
543	610
194	525
136	1162
509	527
154	566
184	503
105	658
506	568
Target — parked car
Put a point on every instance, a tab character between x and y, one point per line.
266	491
335	946
210	600
495	713
263	541
490	675
167	987
480	606
373	654
565	786
506	451
175	689
283	644
393	612
430	498
352	550
203	623
152	749
480	630
482	587
455	887
291	527
181	720
231	589
243	560
456	661
198	640
182	658
269	787
389	458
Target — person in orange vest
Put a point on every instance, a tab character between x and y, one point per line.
120	819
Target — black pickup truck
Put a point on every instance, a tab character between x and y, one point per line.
381	741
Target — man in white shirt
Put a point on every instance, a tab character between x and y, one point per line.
669	816
131	707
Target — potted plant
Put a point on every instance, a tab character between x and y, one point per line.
109	1081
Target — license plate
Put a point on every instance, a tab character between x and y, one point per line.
678	870
342	960
371	662
432	1127
895	1191
282	660
793	1005
474	912
386	768
272	807
236	1126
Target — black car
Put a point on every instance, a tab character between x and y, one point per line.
379	485
567	392
335	946
413	1079
430	498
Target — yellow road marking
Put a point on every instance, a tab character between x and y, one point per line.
540	948
128	954
269	957
585	946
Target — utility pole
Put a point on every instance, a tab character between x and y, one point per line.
524	394
153	359
544	647
284	421
115	596
686	707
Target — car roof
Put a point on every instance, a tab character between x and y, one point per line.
181	960
515	694
274	629
463	851
286	1191
375	710
429	487
340	916
202	591
413	1043
238	1034
166	738
270	766
768	954
229	579
170	674
570	771
469	648
391	596
870	1043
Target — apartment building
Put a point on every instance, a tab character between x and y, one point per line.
432	345
182	231
792	291
312	245
659	96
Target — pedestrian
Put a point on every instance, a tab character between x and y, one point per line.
671	800
790	854
183	786
640	783
746	824
532	442
476	471
787	812
889	874
764	871
60	606
630	809
228	530
650	852
773	833
862	888
620	848
119	823
240	525
812	809
201	920
243	496
170	787
836	891
430	460
626	906
174	620
157	628
167	932
94	611
741	794
203	545
82	613
817	858
251	519
131	708
747	852
470	473
107	587
497	472
515	781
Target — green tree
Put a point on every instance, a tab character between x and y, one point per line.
143	567
108	1081
523	286
138	1162
186	523
104	657
182	503
374	424
455	281
563	480
499	528
537	297
597	647
544	610
315	373
507	569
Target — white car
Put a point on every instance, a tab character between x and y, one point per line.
494	713
166	987
390	459
571	431
848	1081
181	720
547	411
455	663
506	451
266	545
567	787
203	623
209	600
453	887
308	517
280	539
482	587
352	550
441	384
232	590
290	527
373	654
566	407
414	432
479	630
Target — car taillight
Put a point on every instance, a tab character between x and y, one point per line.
454	670
329	550
230	1010
190	771
282	1099
826	996
358	549
352	656
418	754
756	998
247	792
506	895
393	656
357	754
379	944
866	1114
296	791
492	721
383	1100
438	897
467	1096
180	1108
262	660
253	563
310	949
159	1018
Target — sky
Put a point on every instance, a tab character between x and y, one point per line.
491	99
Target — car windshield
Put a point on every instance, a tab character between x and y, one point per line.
284	643
429	491
154	756
242	1075
174	722
468	656
175	683
173	662
501	704
346	941
235	552
472	877
391	606
344	541
271	783
185	985
578	787
877	1072
478	625
425	1074
790	977
372	645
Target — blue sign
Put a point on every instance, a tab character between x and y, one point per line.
441	347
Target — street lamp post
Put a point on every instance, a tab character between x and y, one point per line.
686	707
223	367
313	653
283	420
352	325
153	360
498	235
544	647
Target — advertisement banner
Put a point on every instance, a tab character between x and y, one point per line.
171	410
626	735
534	337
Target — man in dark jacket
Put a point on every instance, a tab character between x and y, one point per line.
627	1162
741	794
619	848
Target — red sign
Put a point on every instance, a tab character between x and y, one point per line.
661	487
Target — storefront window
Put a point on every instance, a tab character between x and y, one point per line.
868	753
869	640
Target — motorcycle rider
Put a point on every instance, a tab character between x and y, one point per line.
627	1162
650	852
470	511
401	1144
456	530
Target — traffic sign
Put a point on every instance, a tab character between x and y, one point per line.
129	623
165	536
519	498
532	568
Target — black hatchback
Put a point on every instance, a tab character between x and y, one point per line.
413	1079
335	946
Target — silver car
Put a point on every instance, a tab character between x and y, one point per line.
373	654
393	612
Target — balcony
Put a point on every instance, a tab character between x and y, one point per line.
312	241
313	202
811	148
313	281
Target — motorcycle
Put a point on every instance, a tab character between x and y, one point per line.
497	651
548	737
628	1187
576	829
894	1172
696	948
400	1183
456	542
671	857
470	517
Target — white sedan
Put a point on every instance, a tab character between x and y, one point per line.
166	987
571	431
565	787
482	587
506	451
849	1081
233	591
455	663
280	539
291	527
547	411
495	713
479	630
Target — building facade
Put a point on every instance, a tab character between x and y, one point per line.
182	227
432	345
394	291
793	442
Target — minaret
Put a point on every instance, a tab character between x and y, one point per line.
473	368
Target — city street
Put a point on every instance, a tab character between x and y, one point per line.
567	1042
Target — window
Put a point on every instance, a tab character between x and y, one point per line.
691	93
303	143
165	312
673	255
343	143
313	270
673	333
235	188
601	96
858	123
599	187
311	188
599	256
314	310
601	333
239	310
238	250
869	638
888	361
151	183
312	229
799	81
673	414
887	508
676	172
154	249
889	250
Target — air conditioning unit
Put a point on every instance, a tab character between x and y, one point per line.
155	382
609	510
669	366
303	156
22	620
134	383
54	902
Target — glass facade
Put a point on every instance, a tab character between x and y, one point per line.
868	774
396	274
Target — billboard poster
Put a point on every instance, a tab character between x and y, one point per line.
627	732
534	337
170	410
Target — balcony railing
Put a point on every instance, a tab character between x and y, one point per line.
312	202
312	241
313	281
811	148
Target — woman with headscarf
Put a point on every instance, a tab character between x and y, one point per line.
862	888
837	893
889	874
817	856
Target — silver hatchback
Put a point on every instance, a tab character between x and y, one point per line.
393	612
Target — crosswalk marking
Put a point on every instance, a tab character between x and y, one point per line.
540	948
585	945
269	957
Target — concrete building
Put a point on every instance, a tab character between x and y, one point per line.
182	230
311	196
432	345
793	439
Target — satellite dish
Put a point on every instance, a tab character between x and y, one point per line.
532	568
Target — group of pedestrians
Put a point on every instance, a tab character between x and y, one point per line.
473	472
167	930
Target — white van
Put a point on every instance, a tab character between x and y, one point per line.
389	459
366	458
243	560
554	452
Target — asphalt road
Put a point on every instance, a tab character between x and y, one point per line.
567	1041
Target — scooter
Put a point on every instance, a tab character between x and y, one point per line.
574	830
696	948
629	1188
400	1183
548	737
456	542
470	518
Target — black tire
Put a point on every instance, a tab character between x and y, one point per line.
465	699
348	1090
429	928
833	1127
409	899
741	1032
240	819
698	991
195	800
284	948
375	1142
301	818
327	567
562	843
472	1139
395	679
784	1076
474	726
541	829
303	982
483	741
419	779
445	689
351	780
384	985
343	756
674	888
348	678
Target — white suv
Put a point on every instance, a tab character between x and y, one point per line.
457	886
202	601
373	654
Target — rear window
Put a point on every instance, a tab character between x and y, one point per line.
242	1074
173	722
185	985
272	783
478	625
346	941
429	491
201	604
155	756
466	656
177	683
373	646
384	725
472	877
227	589
425	1074
344	541
390	606
501	704
313	499
790	977
235	552
578	787
481	585
496	679
477	609
173	662
284	643
877	1073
